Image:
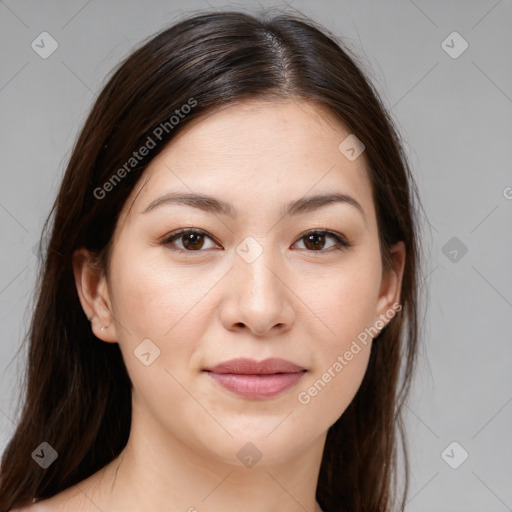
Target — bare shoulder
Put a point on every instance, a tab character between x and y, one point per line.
34	507
69	500
85	496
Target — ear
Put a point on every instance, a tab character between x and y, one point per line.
92	287
389	295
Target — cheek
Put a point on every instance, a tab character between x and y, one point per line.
150	297
158	300
329	391
344	300
345	304
158	333
341	353
154	332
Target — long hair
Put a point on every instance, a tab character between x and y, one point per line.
76	392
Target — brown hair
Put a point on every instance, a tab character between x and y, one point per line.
77	391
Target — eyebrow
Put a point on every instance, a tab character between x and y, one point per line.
211	204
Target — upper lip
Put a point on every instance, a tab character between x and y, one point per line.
247	366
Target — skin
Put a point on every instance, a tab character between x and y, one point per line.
203	307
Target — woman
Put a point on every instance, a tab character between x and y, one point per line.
227	315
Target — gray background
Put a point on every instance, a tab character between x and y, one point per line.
455	115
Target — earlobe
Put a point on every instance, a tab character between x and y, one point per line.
92	289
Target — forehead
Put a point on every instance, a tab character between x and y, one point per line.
259	151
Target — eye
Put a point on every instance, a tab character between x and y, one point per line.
192	240
315	240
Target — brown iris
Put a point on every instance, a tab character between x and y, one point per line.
193	241
314	241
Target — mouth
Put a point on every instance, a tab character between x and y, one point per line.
256	380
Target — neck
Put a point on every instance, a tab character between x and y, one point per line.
157	471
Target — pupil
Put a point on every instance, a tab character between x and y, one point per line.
316	236
193	239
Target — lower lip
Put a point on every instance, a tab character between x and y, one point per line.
257	386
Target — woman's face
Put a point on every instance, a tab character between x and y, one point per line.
249	281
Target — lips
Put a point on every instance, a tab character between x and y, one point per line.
244	366
256	380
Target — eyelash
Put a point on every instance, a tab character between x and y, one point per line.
342	242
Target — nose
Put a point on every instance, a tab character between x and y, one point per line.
257	296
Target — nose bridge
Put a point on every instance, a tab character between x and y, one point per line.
256	265
257	293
